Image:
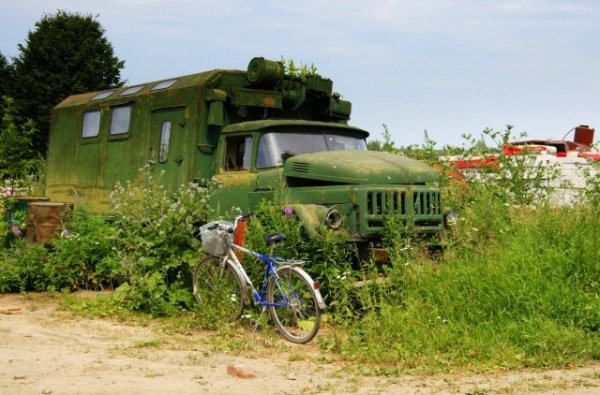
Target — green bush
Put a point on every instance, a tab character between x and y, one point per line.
82	257
22	267
85	256
159	245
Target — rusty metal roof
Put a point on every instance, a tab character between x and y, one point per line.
182	82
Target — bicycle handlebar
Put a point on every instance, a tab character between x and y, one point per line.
216	224
238	218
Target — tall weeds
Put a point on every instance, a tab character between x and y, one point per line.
532	300
517	285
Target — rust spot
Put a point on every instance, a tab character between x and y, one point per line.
379	254
268	101
235	178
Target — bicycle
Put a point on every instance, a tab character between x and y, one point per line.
290	295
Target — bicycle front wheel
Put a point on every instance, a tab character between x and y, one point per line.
297	316
218	289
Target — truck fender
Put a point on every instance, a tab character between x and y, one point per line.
311	215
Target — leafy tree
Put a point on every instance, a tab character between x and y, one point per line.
6	80
6	77
16	153
67	53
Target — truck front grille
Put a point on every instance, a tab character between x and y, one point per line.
382	203
427	203
415	209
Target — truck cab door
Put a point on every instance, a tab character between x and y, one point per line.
235	173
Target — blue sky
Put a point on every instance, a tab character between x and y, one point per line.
446	66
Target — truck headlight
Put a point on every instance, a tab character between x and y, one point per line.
333	219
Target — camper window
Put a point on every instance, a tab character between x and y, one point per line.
132	90
102	95
165	137
120	120
163	85
91	124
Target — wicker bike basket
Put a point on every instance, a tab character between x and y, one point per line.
216	241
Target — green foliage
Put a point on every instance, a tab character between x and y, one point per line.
85	257
387	145
159	247
66	53
427	151
14	216
517	285
22	267
522	179
591	194
301	71
509	179
270	219
6	79
529	300
17	156
330	257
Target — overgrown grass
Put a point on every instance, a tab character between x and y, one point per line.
517	286
528	298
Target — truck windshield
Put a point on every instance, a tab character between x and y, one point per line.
275	147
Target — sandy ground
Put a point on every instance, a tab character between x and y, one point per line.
46	351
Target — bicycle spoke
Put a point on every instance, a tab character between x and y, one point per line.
299	320
218	290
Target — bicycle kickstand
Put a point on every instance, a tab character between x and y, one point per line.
262	311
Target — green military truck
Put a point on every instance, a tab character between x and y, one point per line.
259	133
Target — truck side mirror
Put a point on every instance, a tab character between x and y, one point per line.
215	113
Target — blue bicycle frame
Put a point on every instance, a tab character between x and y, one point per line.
270	270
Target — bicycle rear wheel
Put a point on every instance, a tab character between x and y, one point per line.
299	319
218	289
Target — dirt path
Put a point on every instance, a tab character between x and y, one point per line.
44	351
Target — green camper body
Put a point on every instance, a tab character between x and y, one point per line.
259	133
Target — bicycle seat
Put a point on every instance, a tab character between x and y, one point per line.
276	238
